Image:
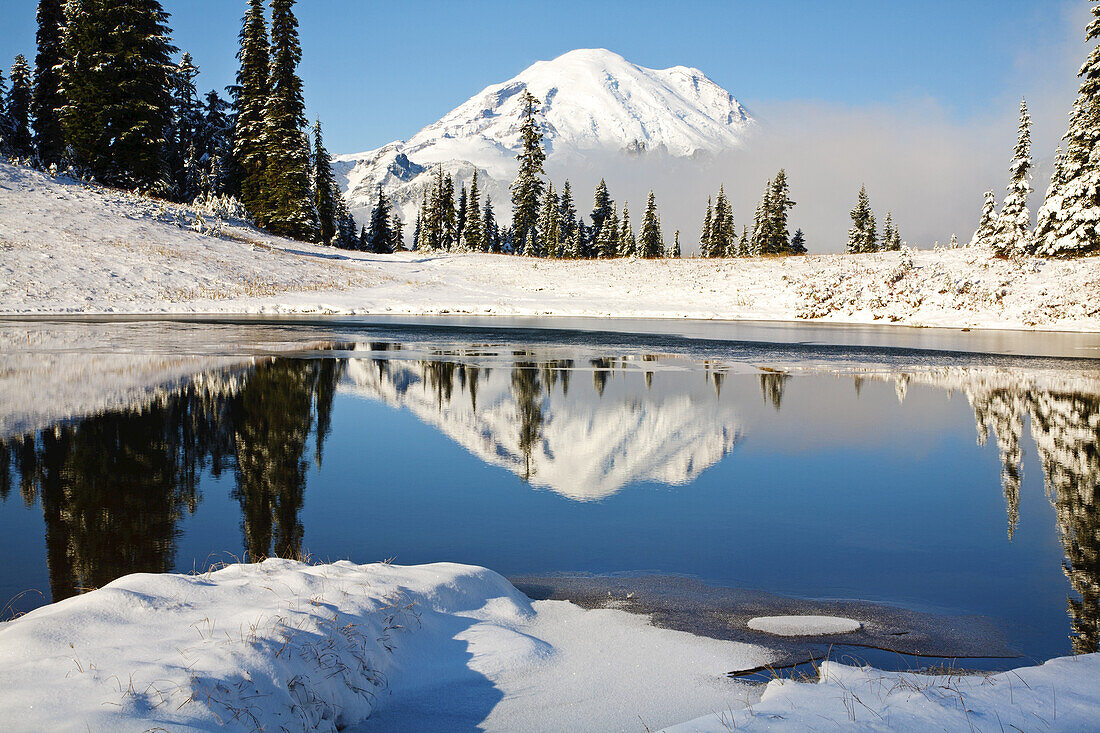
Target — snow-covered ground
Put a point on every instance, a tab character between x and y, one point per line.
70	248
1061	695
287	646
282	645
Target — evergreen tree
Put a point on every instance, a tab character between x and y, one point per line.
20	141
983	235
744	244
706	236
650	243
1012	237
575	246
628	244
325	192
527	188
954	241
5	121
862	237
888	231
601	210
1069	220
473	237
759	230
115	79
248	110
347	229
607	241
447	213
397	243
548	237
46	104
287	195
798	243
460	218
676	245
778	202
490	233
567	213
215	146
723	230
183	153
380	235
362	244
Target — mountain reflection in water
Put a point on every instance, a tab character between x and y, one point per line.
115	487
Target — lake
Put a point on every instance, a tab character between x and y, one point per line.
947	474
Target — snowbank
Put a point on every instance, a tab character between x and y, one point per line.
1061	695
282	645
74	248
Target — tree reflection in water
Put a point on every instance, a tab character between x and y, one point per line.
114	487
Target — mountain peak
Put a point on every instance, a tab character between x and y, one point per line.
592	99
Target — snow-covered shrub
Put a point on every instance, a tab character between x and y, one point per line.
222	207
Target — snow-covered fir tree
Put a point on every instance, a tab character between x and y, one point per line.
983	235
601	212
777	204
472	237
1069	220
954	243
628	243
448	213
287	192
325	192
706	235
527	188
215	146
675	253
491	238
460	218
380	232
548	233
744	243
249	96
607	241
862	237
347	229
183	153
5	121
651	243
46	104
20	142
888	230
1012	235
567	215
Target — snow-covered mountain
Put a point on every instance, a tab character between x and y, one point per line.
592	100
581	448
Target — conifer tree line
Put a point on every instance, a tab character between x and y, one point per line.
545	221
769	234
106	99
1068	223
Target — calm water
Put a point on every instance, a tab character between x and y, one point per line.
943	481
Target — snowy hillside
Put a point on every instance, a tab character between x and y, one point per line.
585	450
74	248
592	99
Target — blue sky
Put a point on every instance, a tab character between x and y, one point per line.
378	71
